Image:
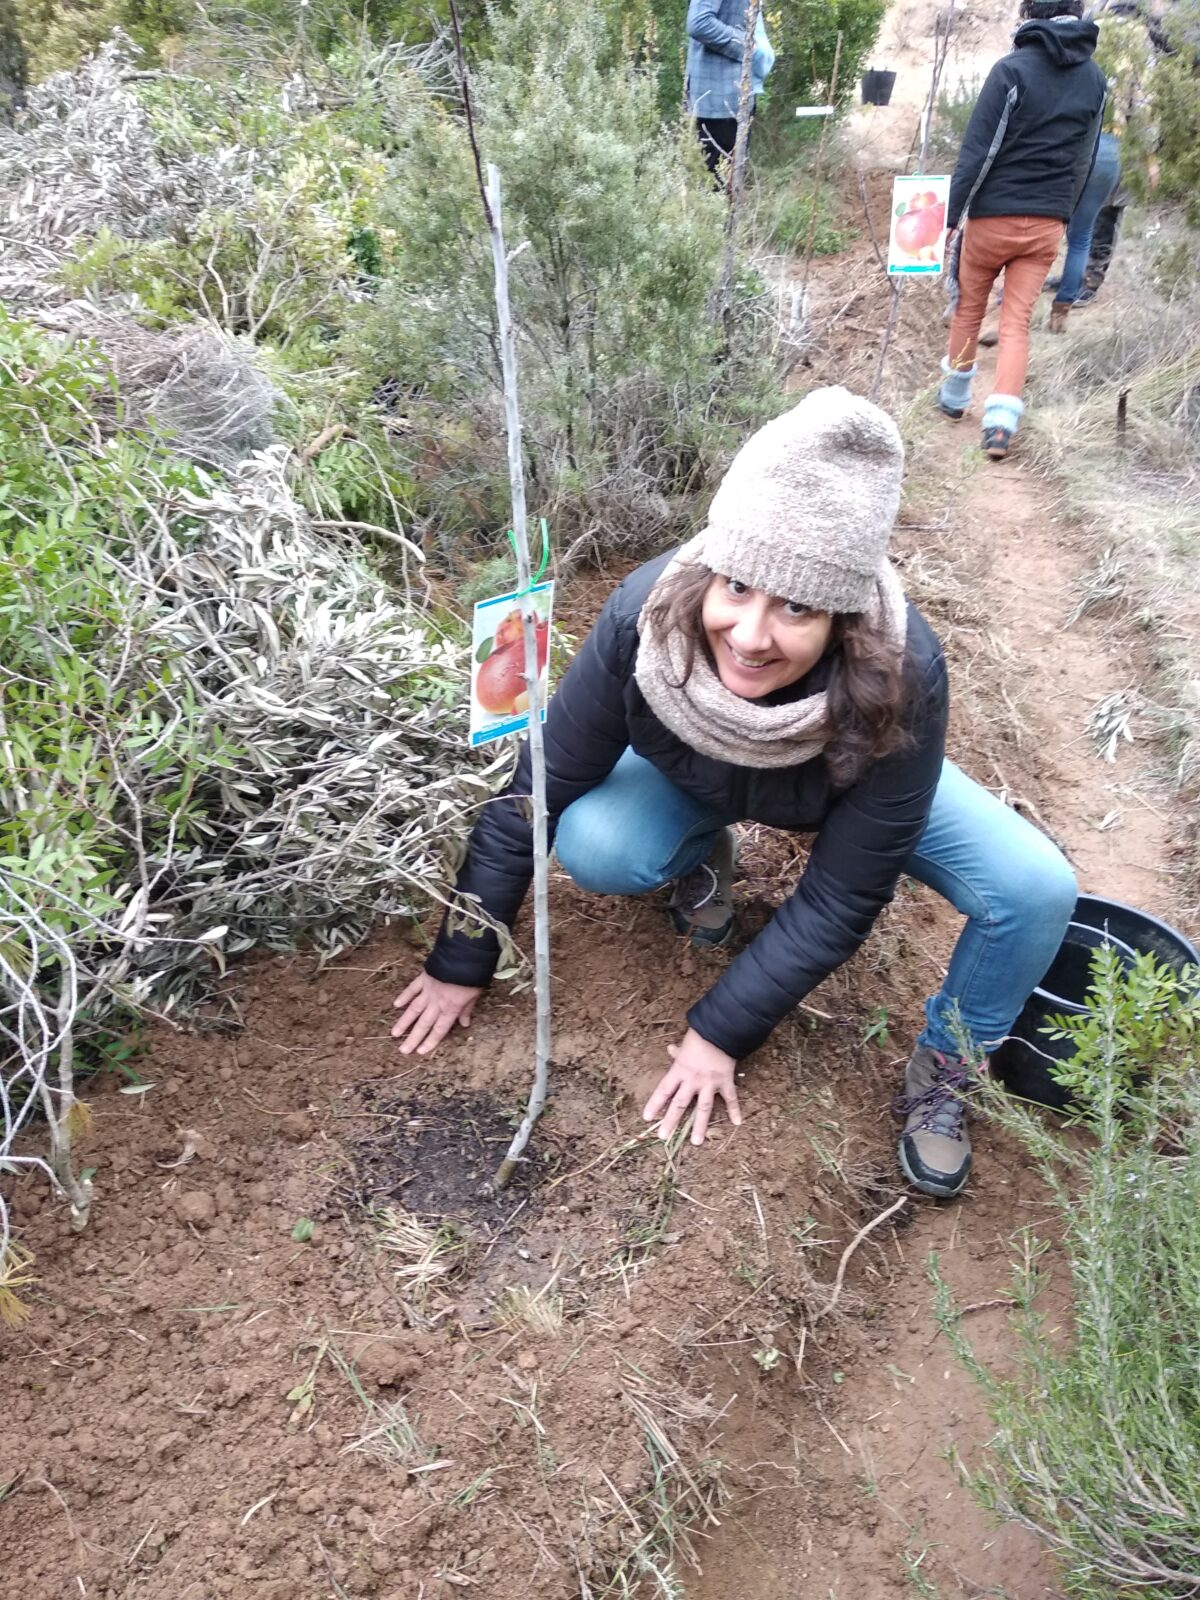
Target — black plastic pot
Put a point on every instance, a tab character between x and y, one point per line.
877	88
1023	1062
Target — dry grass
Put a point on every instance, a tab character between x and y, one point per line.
1131	476
390	1437
425	1256
681	1490
541	1311
1115	422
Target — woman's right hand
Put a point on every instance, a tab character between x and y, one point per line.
428	1010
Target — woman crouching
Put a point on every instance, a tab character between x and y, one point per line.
771	671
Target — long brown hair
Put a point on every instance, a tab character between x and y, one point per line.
865	694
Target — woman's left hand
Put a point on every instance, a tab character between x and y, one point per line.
700	1072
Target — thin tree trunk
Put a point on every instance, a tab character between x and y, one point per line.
490	195
737	173
941	46
541	898
820	164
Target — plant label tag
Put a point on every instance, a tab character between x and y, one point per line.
499	693
917	240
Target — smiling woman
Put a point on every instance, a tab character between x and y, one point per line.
758	642
772	671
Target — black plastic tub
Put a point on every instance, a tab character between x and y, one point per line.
877	88
1024	1061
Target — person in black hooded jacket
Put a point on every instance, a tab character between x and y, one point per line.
772	670
1025	159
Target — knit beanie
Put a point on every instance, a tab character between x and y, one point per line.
807	506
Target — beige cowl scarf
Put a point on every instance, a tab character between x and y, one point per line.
712	720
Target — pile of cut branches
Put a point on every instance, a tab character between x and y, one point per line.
219	728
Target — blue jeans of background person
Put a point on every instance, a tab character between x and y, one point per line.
1106	172
637	830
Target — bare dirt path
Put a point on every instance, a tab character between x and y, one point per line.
885	136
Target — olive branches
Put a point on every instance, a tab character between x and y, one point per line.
220	727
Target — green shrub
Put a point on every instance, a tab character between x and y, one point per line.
1175	92
1155	99
334	225
14	62
950	118
1154	1019
59	36
794	218
804	34
1097	1442
625	401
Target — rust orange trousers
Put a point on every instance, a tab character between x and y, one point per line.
1023	248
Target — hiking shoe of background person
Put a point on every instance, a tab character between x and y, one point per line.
935	1149
990	339
1084	297
954	391
701	903
1057	322
1053	283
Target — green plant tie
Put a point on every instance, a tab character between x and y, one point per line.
512	539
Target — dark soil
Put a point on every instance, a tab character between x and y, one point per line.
438	1157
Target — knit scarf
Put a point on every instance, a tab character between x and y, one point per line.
712	720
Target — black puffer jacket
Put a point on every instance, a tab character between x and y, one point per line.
865	833
1044	100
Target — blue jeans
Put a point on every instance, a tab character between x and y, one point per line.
637	830
1105	173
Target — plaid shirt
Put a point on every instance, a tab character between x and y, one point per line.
716	31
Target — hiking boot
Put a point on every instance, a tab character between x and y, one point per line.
935	1150
1001	419
1058	318
996	442
701	903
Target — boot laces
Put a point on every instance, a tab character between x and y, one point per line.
696	888
938	1109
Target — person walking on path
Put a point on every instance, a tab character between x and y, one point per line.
1024	162
716	34
771	670
1130	41
1104	179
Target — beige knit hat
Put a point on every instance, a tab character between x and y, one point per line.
807	506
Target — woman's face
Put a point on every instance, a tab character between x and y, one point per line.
759	642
